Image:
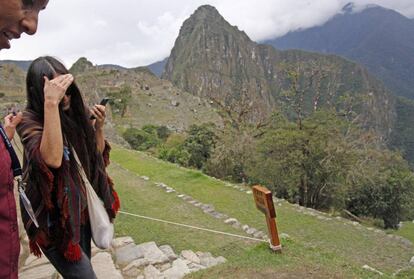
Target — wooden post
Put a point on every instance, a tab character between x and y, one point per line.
264	202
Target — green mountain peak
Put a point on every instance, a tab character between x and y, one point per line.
213	59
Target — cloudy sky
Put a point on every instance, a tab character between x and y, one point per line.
139	32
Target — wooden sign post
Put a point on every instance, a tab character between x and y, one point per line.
264	202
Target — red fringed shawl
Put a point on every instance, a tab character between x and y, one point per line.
62	187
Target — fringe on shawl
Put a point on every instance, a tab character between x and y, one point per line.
34	248
73	252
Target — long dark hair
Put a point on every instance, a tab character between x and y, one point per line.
77	130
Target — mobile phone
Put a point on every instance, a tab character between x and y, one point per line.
103	102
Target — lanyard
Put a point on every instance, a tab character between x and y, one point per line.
17	169
17	172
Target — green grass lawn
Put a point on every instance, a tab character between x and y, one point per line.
406	231
316	249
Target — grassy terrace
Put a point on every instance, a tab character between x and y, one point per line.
316	249
407	231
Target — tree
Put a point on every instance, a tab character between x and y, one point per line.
243	125
199	144
384	188
229	158
120	99
303	98
307	165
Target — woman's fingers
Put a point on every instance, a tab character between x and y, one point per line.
99	114
66	81
102	109
15	119
47	81
55	89
63	81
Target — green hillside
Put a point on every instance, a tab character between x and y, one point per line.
318	246
378	38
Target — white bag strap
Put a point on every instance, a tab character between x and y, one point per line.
82	171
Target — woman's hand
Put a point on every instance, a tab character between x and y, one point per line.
51	146
10	123
100	114
55	89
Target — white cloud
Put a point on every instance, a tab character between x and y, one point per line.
133	33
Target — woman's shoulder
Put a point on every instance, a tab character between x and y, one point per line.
31	123
30	117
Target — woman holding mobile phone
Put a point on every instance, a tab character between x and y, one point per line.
56	126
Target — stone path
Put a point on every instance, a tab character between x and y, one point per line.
40	268
147	260
130	261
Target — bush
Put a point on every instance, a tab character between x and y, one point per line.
139	139
176	155
175	140
163	132
387	193
199	144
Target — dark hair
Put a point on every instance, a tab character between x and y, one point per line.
77	130
28	4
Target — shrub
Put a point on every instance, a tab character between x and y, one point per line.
139	139
176	155
199	144
386	192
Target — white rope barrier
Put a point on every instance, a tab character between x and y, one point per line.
193	227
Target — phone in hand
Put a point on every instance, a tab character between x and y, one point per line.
103	102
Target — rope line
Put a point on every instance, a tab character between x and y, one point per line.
192	227
178	224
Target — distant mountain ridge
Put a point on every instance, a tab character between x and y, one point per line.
22	64
213	59
378	38
158	67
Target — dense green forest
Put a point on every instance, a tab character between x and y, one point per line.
402	137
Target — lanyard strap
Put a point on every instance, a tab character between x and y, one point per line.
17	169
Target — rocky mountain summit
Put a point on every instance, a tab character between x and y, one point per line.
214	59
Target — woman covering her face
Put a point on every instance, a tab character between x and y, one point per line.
56	124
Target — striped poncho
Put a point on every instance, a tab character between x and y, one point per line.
60	193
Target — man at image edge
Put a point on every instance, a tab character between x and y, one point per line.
16	17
